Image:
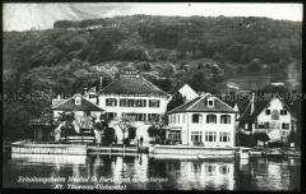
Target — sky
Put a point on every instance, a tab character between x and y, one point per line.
26	16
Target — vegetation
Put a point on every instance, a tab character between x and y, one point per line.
169	51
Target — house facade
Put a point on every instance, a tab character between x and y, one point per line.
273	117
188	93
205	121
134	97
79	105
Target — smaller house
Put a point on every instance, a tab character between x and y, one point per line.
188	93
79	105
271	115
84	112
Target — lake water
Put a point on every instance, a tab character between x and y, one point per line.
144	172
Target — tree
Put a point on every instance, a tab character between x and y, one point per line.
68	128
132	132
177	100
124	124
254	66
261	137
109	136
157	130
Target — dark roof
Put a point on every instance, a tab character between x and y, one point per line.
199	104
259	105
133	85
69	105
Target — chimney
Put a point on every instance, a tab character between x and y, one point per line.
101	83
252	103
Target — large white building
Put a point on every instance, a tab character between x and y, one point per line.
205	120
133	96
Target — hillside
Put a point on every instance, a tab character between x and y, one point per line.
176	49
204	52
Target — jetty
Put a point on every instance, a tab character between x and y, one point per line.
191	152
24	147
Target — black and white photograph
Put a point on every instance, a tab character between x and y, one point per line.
152	96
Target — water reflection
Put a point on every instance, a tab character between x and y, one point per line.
142	172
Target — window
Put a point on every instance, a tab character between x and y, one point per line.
211	119
174	118
268	112
136	117
153	103
184	118
210	170
225	119
175	135
224	137
260	125
130	103
196	136
153	117
283	112
275	115
178	118
210	136
285	126
111	102
123	102
133	103
140	103
78	101
196	167
195	118
210	102
140	117
266	125
110	115
224	170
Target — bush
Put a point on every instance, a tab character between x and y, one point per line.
132	133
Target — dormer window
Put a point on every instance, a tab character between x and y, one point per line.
78	101
210	102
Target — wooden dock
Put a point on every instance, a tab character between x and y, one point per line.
111	150
191	152
23	147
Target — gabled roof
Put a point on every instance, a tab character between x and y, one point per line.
199	104
133	85
69	105
187	85
259	106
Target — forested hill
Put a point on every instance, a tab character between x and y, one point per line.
202	51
